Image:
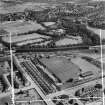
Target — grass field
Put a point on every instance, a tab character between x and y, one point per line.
85	66
16	39
20	26
61	67
66	69
19	7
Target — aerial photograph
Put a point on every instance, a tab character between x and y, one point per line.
52	52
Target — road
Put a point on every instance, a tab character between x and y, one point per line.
48	97
33	84
73	89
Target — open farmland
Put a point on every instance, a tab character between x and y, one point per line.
5	8
43	43
16	39
17	27
29	41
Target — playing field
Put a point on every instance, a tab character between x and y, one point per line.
16	39
61	67
86	66
17	27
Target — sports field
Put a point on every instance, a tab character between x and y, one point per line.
17	27
61	67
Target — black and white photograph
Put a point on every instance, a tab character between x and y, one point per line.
52	52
